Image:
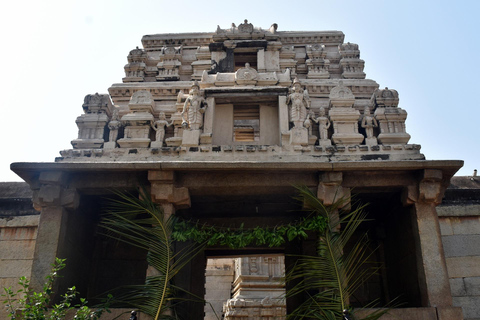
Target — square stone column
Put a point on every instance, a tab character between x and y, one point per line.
52	198
431	265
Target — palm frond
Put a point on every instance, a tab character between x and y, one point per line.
329	279
140	222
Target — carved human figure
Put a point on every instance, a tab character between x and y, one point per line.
368	122
323	124
300	102
114	125
159	126
193	109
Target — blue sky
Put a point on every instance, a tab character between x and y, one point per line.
55	52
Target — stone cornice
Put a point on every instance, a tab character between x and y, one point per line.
28	168
156	41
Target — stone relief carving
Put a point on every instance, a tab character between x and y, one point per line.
114	125
369	122
159	126
299	102
193	109
323	126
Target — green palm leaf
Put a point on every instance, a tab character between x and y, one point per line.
329	279
141	223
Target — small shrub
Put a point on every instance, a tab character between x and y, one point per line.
25	304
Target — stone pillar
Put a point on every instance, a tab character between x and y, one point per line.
53	198
431	266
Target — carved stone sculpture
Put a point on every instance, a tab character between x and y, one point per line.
135	69
91	125
317	63
323	126
246	76
192	116
114	125
159	126
351	64
169	65
368	123
391	118
299	102
137	123
344	117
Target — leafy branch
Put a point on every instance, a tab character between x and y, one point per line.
26	304
241	237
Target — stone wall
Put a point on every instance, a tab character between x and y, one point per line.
460	226
18	231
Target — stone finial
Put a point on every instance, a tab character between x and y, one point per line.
245	27
349	50
137	55
316	51
97	103
341	96
385	98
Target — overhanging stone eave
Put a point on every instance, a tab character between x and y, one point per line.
27	170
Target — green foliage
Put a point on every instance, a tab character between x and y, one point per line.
25	304
241	237
140	222
329	279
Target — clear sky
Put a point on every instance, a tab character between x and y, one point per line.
55	52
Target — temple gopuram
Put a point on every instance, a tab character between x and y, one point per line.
220	127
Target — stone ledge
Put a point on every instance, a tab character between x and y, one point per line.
458	211
20	221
